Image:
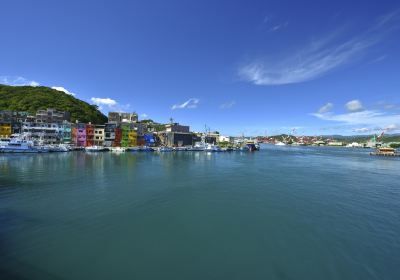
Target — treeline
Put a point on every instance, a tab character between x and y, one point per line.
31	99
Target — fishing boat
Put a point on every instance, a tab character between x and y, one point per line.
279	143
385	151
16	145
57	148
117	149
92	149
145	149
180	149
164	149
251	145
244	148
212	148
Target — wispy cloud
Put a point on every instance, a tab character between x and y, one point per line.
189	104
17	81
227	105
144	116
354	106
326	108
378	59
362	120
315	59
64	90
278	26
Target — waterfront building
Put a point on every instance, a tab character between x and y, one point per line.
176	135
125	129
149	139
109	134
79	134
66	132
89	135
5	129
44	133
118	137
52	116
132	138
99	131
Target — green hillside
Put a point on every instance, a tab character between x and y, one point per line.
31	99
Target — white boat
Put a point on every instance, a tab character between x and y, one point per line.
95	149
57	148
164	149
117	149
16	145
212	148
180	149
279	143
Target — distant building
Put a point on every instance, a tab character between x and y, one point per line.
117	117
15	116
222	138
176	127
335	143
52	116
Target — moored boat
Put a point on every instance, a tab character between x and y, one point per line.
117	149
164	149
95	149
16	145
385	151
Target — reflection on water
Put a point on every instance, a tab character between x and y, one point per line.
281	213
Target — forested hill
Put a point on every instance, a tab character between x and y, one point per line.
31	99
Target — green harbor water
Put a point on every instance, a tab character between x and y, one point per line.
281	213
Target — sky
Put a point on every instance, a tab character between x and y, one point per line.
238	67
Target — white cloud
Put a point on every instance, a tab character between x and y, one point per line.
368	119
326	108
312	61
354	106
64	90
17	81
103	101
144	116
189	104
227	105
362	130
392	127
108	104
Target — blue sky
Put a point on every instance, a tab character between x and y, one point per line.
252	67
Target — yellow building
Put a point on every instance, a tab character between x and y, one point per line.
5	129
132	138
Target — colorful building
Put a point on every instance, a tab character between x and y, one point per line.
89	135
79	134
132	139
109	134
99	135
5	129
65	132
125	129
118	137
